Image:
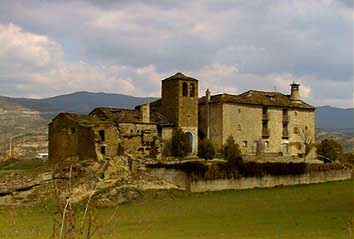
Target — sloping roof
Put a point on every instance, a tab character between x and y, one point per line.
253	97
83	120
128	115
180	76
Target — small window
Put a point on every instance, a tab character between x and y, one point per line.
185	89
295	113
103	150
102	135
239	111
131	131
266	144
192	90
244	144
72	131
296	130
239	127
306	128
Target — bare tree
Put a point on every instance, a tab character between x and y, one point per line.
305	143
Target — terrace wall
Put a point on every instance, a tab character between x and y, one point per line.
182	179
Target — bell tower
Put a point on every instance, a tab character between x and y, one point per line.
179	103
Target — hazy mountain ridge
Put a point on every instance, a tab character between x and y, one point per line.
27	119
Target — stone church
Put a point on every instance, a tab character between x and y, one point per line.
271	118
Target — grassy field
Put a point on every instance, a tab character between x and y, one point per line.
311	211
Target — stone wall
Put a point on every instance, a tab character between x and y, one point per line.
244	123
181	179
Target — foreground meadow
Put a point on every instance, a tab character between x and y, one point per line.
309	211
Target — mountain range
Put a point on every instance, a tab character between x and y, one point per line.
327	117
28	118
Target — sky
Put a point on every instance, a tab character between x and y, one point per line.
50	47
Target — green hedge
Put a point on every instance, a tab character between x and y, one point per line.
198	170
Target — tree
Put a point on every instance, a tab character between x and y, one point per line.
180	144
305	143
206	149
232	152
329	150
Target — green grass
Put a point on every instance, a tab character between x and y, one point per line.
311	211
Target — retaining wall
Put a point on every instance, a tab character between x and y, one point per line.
181	179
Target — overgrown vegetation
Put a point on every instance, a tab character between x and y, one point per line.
180	147
329	150
206	149
232	153
198	170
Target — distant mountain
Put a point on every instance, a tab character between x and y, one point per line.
84	102
25	120
333	118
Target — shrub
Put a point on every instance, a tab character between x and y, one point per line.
328	150
120	149
153	148
232	153
206	149
180	144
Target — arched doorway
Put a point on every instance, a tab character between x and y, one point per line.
190	140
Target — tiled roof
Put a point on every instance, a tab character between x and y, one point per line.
180	76
128	115
83	120
253	97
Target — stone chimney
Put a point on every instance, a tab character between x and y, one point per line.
208	95
145	113
295	93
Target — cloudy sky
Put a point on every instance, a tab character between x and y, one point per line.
52	47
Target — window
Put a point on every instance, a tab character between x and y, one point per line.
102	135
266	144
192	90
264	110
103	150
244	144
239	127
72	131
239	111
295	113
306	128
185	89
296	130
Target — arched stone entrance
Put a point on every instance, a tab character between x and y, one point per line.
190	140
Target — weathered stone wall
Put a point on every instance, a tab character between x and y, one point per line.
269	181
244	123
137	138
301	119
64	143
181	179
215	123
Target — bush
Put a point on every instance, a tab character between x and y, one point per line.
231	150
180	144
206	149
329	150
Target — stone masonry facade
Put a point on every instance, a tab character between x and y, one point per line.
271	119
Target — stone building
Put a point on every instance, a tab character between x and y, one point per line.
279	122
271	119
106	133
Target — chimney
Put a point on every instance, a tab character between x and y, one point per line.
208	95
295	93
145	113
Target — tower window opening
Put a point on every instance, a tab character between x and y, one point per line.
185	89
192	90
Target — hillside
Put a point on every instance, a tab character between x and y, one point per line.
25	120
337	119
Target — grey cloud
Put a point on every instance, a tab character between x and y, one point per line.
307	39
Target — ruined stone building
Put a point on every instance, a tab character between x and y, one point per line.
272	118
